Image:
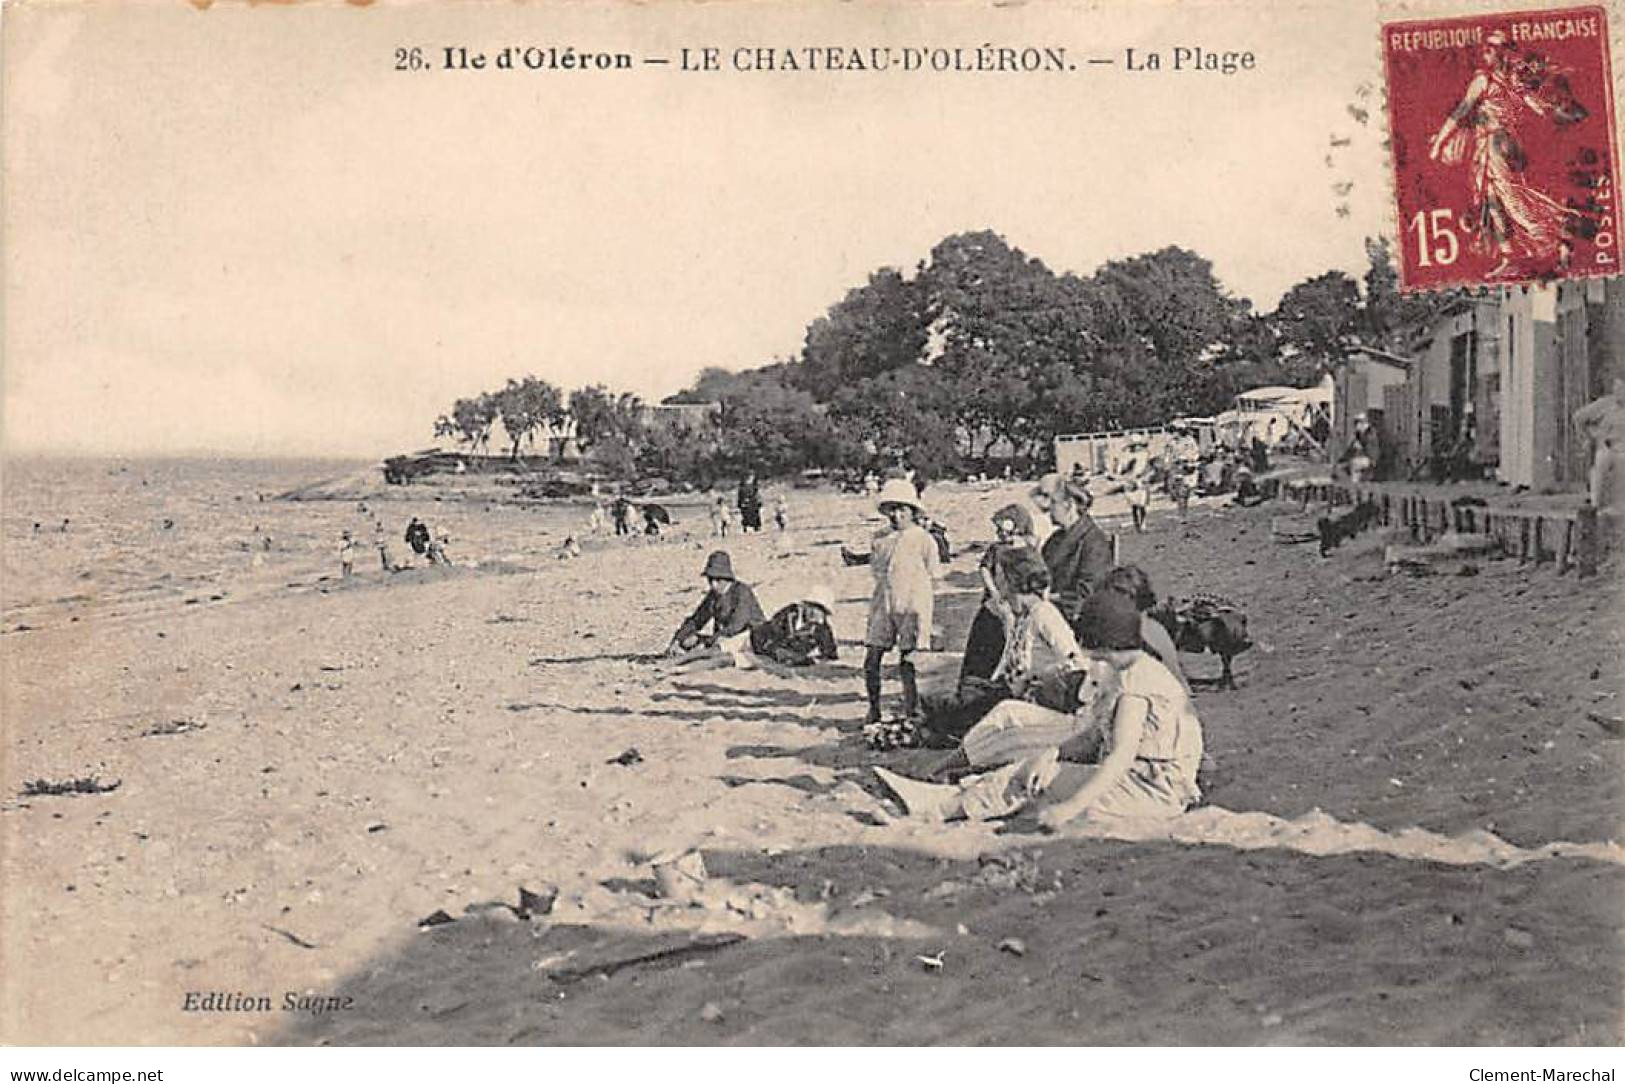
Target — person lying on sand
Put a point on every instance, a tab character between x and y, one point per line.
729	607
796	636
1151	751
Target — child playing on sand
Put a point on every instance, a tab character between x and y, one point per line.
729	607
781	512
346	556
381	541
721	516
905	566
1151	751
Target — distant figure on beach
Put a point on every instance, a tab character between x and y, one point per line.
903	559
622	511
1259	455
655	517
346	556
380	541
1179	490
781	513
597	521
1603	421
36	526
417	536
569	548
1364	453
721	516
64	528
1139	500
729	608
436	550
750	504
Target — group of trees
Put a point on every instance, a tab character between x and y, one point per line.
593	415
983	348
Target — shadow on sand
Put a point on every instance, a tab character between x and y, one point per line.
1074	942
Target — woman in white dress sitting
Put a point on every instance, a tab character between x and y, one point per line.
1151	751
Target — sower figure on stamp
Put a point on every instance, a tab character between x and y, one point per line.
1511	219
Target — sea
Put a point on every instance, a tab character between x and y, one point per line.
86	539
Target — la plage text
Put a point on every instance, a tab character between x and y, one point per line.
988	58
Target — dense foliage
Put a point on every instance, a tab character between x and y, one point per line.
983	352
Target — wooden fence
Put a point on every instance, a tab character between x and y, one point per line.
1568	537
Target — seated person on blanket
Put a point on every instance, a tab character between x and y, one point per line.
1150	755
729	607
984	647
1039	640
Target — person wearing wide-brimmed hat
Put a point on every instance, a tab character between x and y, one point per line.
729	607
905	564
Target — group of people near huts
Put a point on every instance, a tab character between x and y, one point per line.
1070	700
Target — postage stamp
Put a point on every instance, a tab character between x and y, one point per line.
1503	144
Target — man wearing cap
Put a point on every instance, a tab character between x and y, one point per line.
729	606
905	566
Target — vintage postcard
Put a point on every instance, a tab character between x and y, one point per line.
812	523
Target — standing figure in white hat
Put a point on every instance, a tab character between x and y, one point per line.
905	565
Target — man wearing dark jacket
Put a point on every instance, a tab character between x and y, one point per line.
729	607
1078	554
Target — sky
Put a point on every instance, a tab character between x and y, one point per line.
240	230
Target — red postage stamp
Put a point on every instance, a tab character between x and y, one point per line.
1503	142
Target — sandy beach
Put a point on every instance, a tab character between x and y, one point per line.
1411	836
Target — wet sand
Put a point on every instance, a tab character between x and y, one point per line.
1411	834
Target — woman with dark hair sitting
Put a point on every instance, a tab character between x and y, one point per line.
1132	582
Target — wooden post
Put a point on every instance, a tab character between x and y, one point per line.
1585	524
